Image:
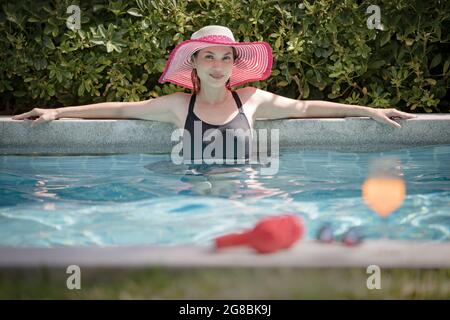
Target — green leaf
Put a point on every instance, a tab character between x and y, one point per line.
134	12
52	21
46	8
51	90
438	31
275	72
97	41
305	90
98	7
117	48
318	76
109	46
446	65
55	31
431	81
100	69
310	75
409	42
40	64
335	74
102	30
385	38
48	29
278	43
318	52
376	64
81	89
48	43
33	19
333	95
336	87
20	93
7	85
160	65
332	27
436	60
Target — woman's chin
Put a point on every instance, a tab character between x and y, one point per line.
215	84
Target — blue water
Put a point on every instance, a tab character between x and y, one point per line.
141	199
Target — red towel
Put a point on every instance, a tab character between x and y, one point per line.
269	235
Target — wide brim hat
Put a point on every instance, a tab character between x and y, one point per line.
254	61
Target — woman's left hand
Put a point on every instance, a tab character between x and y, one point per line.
387	116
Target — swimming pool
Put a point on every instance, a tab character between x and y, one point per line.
143	199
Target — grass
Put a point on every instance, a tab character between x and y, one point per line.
224	283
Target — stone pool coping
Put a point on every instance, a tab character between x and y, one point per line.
306	254
101	136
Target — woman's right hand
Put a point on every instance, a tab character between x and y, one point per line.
37	115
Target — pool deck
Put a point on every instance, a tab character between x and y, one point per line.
91	136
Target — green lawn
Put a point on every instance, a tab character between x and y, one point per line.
225	283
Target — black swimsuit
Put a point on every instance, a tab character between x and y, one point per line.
240	121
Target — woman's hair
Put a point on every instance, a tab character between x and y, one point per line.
195	79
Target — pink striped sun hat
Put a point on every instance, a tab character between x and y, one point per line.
254	58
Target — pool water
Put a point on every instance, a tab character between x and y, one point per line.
144	199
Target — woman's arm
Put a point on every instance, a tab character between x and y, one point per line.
104	110
319	109
159	109
272	106
166	109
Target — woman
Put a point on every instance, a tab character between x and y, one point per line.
210	64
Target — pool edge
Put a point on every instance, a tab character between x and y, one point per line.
110	136
382	253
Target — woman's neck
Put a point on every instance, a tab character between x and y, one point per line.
213	96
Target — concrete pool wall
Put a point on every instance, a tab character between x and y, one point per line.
82	136
90	136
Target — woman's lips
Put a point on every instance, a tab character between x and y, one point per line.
216	76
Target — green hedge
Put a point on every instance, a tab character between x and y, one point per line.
322	50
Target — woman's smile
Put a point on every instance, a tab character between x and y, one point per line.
217	76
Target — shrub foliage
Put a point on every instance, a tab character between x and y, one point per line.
322	49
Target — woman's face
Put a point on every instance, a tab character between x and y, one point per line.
214	65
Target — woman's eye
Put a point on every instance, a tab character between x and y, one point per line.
226	58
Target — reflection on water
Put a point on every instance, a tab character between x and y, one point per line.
218	180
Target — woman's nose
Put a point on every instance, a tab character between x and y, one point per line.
217	63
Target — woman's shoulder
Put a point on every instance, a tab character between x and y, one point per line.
245	95
179	99
251	95
247	90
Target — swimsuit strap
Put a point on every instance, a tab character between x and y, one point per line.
191	104
238	101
